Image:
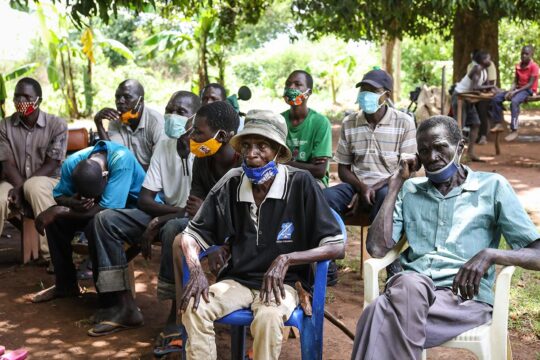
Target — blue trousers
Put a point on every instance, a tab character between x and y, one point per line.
339	196
497	109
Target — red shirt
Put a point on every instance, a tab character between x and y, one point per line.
524	74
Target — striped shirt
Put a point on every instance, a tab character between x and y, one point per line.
374	153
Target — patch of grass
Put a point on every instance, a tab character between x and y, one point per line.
330	296
349	264
524	305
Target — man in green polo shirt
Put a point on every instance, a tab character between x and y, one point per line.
309	133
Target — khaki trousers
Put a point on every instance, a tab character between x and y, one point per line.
225	297
38	192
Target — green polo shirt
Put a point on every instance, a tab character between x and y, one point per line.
444	232
311	139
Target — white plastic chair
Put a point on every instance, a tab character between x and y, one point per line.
489	341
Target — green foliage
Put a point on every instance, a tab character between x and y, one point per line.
21	71
123	31
422	60
378	19
524	314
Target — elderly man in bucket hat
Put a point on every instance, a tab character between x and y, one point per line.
276	222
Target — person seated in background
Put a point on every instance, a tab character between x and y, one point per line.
525	85
453	221
474	80
32	147
213	92
276	222
309	135
369	146
132	124
213	127
483	106
105	176
115	229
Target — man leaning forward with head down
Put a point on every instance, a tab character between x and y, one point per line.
276	222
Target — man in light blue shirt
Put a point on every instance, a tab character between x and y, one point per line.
105	176
453	221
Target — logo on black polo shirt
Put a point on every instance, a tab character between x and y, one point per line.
285	234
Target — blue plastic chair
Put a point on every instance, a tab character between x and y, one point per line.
310	327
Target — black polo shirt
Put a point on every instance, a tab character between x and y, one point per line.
294	216
203	178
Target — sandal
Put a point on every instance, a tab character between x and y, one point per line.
171	343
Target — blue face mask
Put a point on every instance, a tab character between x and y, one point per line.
261	174
443	175
369	101
175	125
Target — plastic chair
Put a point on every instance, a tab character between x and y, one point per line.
489	341
310	327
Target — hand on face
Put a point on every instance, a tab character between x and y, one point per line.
107	114
408	165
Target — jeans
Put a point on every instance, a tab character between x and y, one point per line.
112	231
340	196
166	286
515	102
59	235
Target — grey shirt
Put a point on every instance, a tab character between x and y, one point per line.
143	140
29	147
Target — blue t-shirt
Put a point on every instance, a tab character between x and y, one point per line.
123	169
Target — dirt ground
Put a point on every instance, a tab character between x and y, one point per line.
57	329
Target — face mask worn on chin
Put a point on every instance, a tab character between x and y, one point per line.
26	108
261	174
295	97
369	101
175	125
204	149
444	174
129	115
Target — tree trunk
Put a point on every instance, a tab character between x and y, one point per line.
474	32
203	62
391	49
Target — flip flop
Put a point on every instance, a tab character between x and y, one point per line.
19	354
110	327
171	344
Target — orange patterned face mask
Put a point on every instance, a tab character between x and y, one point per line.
295	97
204	149
134	113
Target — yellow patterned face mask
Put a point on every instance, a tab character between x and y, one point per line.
204	149
129	115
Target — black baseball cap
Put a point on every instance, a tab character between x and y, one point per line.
378	78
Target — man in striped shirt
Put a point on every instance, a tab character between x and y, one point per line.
369	146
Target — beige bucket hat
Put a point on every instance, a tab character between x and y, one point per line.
268	124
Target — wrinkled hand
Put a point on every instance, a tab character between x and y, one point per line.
107	114
196	287
273	280
509	95
367	195
408	164
218	258
467	280
15	199
47	217
193	204
149	237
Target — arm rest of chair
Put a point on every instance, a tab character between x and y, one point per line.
373	266
502	300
